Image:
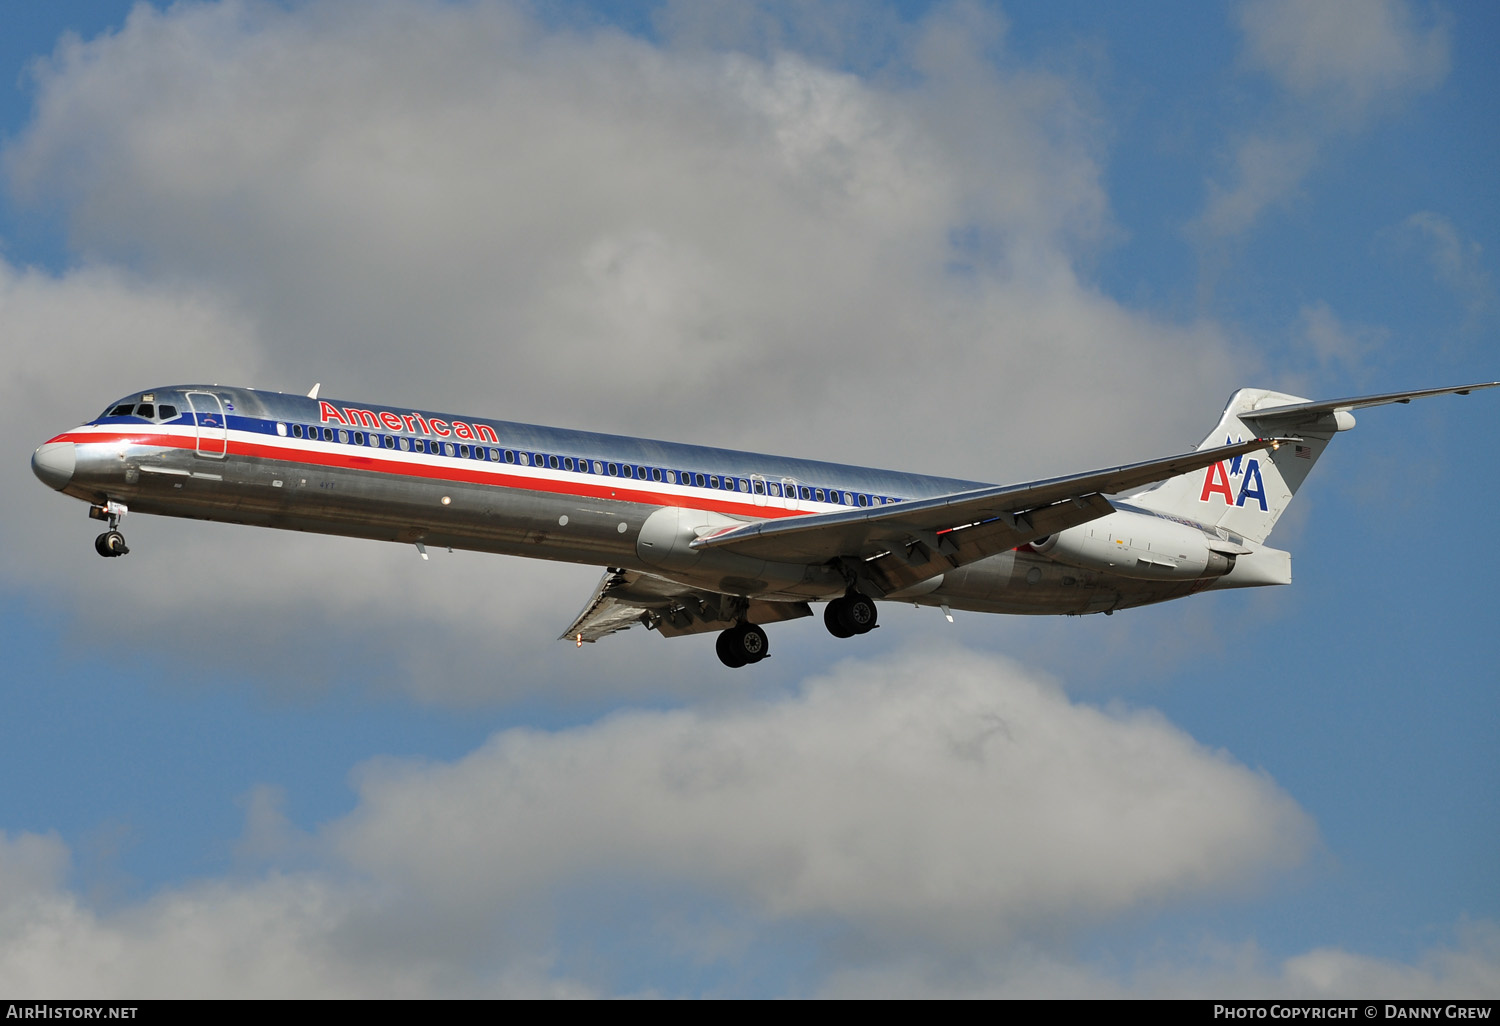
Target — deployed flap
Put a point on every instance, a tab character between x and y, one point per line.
627	597
912	541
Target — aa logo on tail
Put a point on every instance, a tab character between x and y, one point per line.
1245	469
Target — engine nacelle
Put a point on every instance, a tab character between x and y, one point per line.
1142	547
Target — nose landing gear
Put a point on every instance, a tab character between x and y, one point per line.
111	542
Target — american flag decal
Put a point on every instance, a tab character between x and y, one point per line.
1303	452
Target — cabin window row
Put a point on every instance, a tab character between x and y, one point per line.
582	465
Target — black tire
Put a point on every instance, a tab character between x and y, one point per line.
834	622
740	645
728	652
110	543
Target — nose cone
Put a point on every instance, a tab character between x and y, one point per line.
54	464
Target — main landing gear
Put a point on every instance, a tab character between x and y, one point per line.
111	542
741	644
853	614
844	617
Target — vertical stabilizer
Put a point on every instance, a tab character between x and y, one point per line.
1246	495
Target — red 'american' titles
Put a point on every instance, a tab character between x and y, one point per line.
413	423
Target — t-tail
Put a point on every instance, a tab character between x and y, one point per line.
1247	495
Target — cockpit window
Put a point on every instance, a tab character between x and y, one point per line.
123	410
147	410
167	411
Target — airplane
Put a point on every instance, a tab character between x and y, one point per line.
696	539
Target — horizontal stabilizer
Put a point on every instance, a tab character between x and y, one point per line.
1295	413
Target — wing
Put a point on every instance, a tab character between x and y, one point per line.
909	542
626	597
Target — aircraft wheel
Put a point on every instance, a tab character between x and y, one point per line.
858	613
853	614
834	622
110	543
740	645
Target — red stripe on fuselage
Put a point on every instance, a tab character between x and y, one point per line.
615	490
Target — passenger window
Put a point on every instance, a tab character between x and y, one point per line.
656	473
567	463
671	477
463	450
598	467
296	430
510	457
495	456
390	441
699	479
405	444
280	428
359	438
744	485
864	500
552	462
343	435
450	448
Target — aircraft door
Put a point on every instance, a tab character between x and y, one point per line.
213	427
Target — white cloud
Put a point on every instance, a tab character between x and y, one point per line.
1338	62
1332	342
1457	262
453	202
1465	967
949	824
1349	53
946	797
1267	171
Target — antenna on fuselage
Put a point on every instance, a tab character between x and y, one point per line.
314	393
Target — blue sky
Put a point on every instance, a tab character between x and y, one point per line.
990	241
